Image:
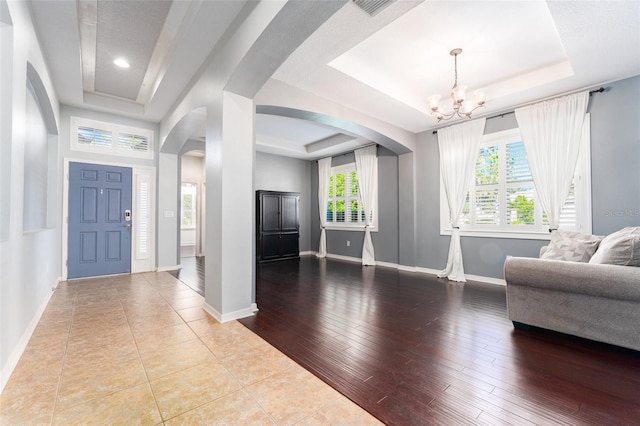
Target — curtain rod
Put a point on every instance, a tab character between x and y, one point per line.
350	151
591	92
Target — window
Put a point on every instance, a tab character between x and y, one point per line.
188	206
344	209
502	200
98	136
143	214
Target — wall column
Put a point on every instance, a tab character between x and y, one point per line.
230	209
407	243
168	212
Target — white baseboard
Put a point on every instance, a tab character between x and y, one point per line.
55	284
478	278
242	313
486	280
168	268
428	271
407	268
308	253
345	258
12	361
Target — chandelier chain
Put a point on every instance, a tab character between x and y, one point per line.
455	68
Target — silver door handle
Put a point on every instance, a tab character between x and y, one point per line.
127	225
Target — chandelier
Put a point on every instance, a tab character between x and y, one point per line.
460	108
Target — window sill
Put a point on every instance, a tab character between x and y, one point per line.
501	234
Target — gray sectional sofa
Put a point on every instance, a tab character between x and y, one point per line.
592	300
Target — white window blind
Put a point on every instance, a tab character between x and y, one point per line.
142	217
133	142
95	137
98	136
502	200
343	207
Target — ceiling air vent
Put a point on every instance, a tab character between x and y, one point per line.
372	6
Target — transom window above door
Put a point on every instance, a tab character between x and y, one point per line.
98	136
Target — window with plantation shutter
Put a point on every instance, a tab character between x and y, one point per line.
344	209
95	137
502	200
109	138
142	217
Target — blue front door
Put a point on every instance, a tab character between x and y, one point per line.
99	220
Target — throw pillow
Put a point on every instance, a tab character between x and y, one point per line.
620	248
571	246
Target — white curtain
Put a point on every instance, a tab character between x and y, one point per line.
367	170
551	132
324	173
459	146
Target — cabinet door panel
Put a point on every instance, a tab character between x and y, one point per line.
289	244
270	246
270	213
289	212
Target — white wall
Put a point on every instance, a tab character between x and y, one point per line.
29	262
168	212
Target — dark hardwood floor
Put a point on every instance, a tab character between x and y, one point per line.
416	350
191	273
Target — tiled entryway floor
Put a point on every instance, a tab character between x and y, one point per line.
139	349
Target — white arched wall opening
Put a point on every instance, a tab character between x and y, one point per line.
228	86
401	142
344	126
183	137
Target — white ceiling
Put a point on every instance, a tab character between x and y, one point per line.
520	51
383	66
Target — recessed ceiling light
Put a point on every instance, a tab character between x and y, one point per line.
122	63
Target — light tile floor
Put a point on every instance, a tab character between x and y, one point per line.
139	349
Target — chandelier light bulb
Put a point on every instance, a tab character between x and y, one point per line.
434	102
468	107
457	94
481	96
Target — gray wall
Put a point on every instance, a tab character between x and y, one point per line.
276	173
615	158
385	240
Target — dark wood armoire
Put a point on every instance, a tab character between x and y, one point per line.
277	225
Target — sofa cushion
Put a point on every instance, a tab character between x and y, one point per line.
571	246
620	248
